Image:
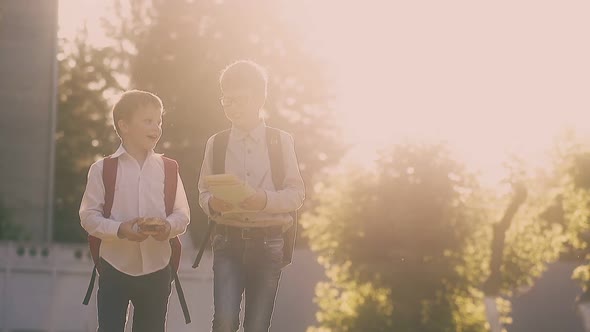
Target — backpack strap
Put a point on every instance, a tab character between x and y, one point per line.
220	141
170	183
275	155
277	169
170	186
109	178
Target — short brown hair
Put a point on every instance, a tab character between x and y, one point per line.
130	101
245	74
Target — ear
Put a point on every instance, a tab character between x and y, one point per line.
123	126
259	100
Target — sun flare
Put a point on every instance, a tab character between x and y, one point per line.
488	78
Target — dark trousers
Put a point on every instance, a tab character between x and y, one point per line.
148	293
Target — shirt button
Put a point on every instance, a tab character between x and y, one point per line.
248	174
249	151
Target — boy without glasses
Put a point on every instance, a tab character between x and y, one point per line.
134	264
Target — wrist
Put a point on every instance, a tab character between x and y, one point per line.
120	234
265	200
212	211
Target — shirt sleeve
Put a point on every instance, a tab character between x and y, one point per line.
91	208
291	197
180	216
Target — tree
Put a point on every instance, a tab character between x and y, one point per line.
572	209
410	244
84	131
177	50
403	230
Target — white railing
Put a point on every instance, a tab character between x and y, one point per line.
42	287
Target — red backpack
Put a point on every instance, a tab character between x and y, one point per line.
109	178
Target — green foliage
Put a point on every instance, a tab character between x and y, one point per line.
535	238
576	198
349	305
531	245
84	132
572	169
417	231
404	229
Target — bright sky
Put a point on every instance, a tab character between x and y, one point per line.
488	77
73	14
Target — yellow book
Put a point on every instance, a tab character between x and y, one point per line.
230	189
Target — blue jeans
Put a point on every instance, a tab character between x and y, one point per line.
250	266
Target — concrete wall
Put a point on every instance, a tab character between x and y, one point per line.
43	291
27	117
42	287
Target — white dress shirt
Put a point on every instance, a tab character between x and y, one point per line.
139	192
247	158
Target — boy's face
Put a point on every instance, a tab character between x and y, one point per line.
143	129
240	107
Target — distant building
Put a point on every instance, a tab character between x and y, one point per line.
28	79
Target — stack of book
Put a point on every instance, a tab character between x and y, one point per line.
230	189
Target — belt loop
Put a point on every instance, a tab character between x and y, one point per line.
221	230
266	234
271	232
245	230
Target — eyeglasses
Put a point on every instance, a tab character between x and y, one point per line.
231	101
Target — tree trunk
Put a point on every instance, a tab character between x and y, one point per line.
492	313
492	285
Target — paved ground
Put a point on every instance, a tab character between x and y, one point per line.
549	305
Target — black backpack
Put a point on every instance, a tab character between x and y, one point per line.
277	169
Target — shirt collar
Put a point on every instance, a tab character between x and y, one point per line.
121	151
257	134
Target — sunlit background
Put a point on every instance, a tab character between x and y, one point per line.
490	78
387	102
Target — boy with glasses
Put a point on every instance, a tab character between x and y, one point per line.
249	247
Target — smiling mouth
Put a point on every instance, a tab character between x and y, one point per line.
153	137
